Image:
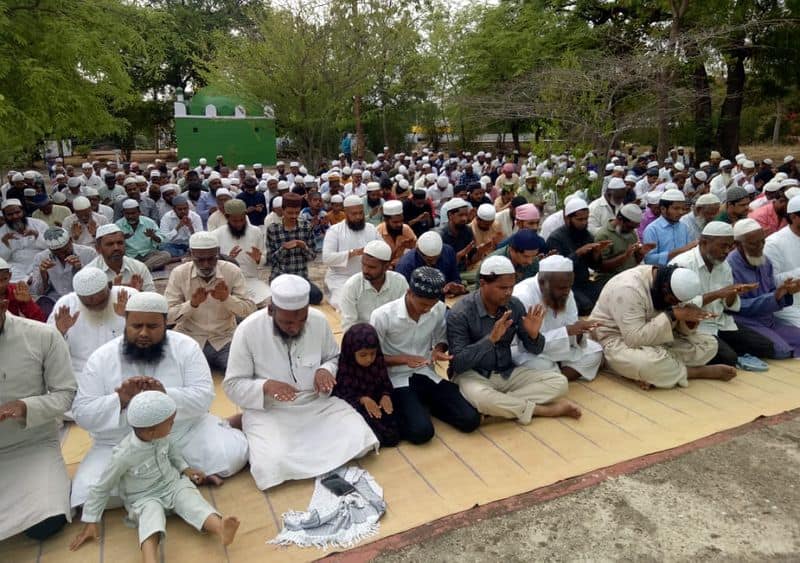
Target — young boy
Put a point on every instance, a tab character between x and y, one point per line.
152	477
316	216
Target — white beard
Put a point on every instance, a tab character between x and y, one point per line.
755	261
700	220
98	317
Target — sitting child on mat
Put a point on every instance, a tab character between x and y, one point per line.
153	477
363	381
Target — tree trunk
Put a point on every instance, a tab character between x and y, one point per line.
515	127
383	124
731	112
703	134
776	129
359	152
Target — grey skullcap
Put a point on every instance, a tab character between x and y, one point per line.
427	282
179	200
735	194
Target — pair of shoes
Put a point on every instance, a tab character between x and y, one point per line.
751	363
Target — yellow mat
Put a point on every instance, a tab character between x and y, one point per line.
454	471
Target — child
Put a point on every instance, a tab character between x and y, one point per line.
316	216
363	381
153	477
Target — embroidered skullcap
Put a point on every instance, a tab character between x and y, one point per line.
129	204
735	193
81	203
725	164
684	284
59	198
108	229
352	201
427	282
294	164
672	195
290	292
573	206
277	203
772	186
224	192
55	238
794	205
89	281
617	184
147	302
454	204
168	188
527	239
337	198
744	226
707	199
155	174
556	263
150	408
373	187
430	244
487	212
12	202
235	207
403	185
392	207
632	213
496	265
74	182
378	249
718	229
203	240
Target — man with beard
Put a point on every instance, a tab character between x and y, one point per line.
50	212
456	233
373	204
737	205
625	251
647	184
523	249
399	236
722	182
21	239
574	241
206	296
110	191
280	373
772	215
55	267
343	246
38	388
606	207
97	207
83	223
670	236
372	287
760	305
244	244
111	259
484	228
217	218
148	357
706	207
254	200
418	212
719	294
782	250
568	347
166	194
147	206
480	330
91	315
142	237
178	225
648	329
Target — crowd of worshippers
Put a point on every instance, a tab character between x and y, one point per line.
466	291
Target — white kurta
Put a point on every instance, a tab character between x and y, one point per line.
783	250
303	438
339	241
20	250
584	356
207	442
35	368
257	289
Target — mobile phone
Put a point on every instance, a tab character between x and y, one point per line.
338	485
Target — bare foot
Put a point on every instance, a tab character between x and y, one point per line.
230	524
645	385
561	407
215	480
716	371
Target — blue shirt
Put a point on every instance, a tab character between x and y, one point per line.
251	200
667	237
446	264
204	205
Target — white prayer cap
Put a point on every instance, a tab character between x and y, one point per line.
744	226
617	184
202	162
619	168
91	192
58	198
574	205
787	159
294	164
725	164
592	175
767	161
241	167
147	302
652	198
430	177
672	195
707	199
609	167
283	185
4	265
129	204
337	198
740	156
290	292
352	201
80	203
485	181
108	229
17	177
789	182
309	179
74	182
258	165
684	284
556	263
632	212
11	202
141	179
262	186
748	164
442	181
378	249
89	281
373	187
772	186
347	171
170	188
486	212
392	207
155	174
629	179
403	184
366	175
55	238
497	266
453	204
185	161
794	205
280	163
430	244
86	165
718	229
652	164
679	167
150	408
700	175
203	240
223	192
704	164
780	176
277	203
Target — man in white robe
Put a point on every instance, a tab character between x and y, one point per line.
21	239
37	388
150	357
783	250
567	347
343	246
280	372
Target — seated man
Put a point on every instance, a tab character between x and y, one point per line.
721	294
645	334
759	305
374	286
17	296
413	338
606	207
21	239
178	225
145	357
205	297
670	236
119	269
38	387
399	236
142	237
50	212
91	315
523	250
54	268
280	373
706	207
625	251
244	244
737	205
782	250
82	225
431	251
567	344
484	227
772	215
457	234
480	330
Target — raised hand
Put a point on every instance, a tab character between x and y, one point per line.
121	302
199	297
500	327
73	261
532	321
75	230
235	251
255	254
45	265
91	226
22	293
65	321
221	292
136	282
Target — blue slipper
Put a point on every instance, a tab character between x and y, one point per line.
751	363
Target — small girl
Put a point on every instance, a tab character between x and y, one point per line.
363	381
153	477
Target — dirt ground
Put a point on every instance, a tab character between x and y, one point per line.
735	501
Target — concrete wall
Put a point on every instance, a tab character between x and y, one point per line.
239	140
